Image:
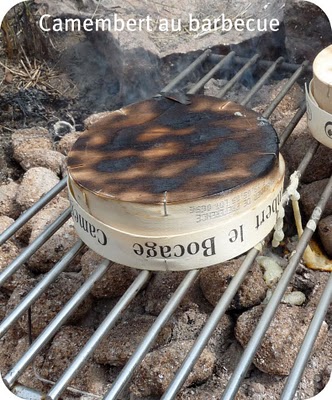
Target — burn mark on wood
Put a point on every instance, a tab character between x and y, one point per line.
179	97
190	151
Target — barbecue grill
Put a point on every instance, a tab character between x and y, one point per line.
217	63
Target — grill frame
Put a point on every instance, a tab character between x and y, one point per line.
218	62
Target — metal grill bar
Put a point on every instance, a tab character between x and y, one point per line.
34	246
295	120
235	381
268	112
69	389
209	327
57	322
123	378
223	62
26	393
186	71
27	215
238	75
262	81
307	158
215	317
285	66
40	288
192	356
100	333
308	343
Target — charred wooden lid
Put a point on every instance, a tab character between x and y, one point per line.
159	145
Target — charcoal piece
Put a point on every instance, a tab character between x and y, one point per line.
215	280
283	338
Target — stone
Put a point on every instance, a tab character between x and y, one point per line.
5	222
8	252
20	276
55	248
163	41
157	370
215	280
66	143
51	301
320	167
8	348
157	52
8	205
64	347
26	140
302	20
114	282
50	159
49	213
29	377
123	340
283	339
321	279
3	305
256	388
161	288
189	323
310	195
35	183
325	234
326	375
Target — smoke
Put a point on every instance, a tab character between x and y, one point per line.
108	76
112	71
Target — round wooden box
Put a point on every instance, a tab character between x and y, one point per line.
322	79
161	185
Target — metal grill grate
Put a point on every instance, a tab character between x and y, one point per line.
218	63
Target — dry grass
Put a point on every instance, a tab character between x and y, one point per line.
25	48
27	74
